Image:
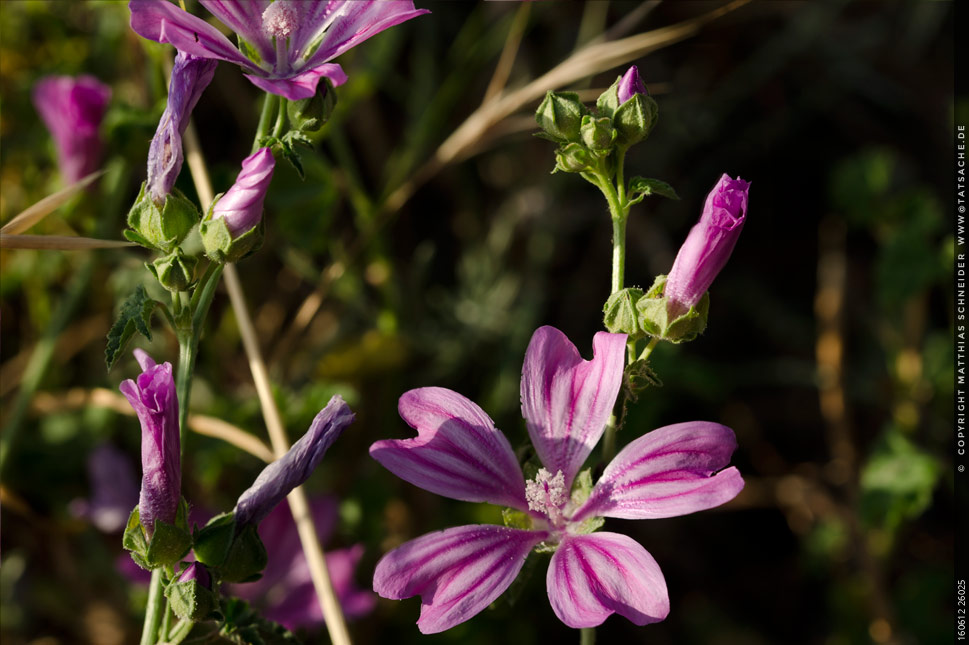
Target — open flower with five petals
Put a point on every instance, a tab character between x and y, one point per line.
284	46
566	402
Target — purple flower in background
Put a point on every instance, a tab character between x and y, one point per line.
285	593
630	84
293	468
241	206
72	109
566	402
285	46
709	244
153	397
190	76
114	490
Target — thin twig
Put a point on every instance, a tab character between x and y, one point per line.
33	214
58	243
315	558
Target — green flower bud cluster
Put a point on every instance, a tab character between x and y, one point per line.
234	554
638	314
589	138
162	228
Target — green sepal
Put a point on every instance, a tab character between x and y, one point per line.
581	488
608	101
309	115
590	525
573	157
134	316
191	600
161	228
641	187
620	315
175	271
236	555
167	544
219	244
243	626
657	321
515	519
634	119
248	50
598	134
560	115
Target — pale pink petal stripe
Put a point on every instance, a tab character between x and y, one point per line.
244	18
457	572
458	453
667	472
566	400
593	576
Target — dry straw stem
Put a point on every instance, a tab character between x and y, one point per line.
79	398
58	243
33	214
315	558
486	121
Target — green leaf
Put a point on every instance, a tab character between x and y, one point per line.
135	315
244	626
640	187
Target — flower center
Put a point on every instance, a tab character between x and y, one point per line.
547	494
280	19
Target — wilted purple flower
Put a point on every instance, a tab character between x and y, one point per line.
285	45
241	205
293	468
154	400
72	109
285	593
709	244
566	402
114	491
631	84
190	76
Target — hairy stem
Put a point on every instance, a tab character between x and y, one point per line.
156	607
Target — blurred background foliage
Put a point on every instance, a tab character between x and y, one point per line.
828	351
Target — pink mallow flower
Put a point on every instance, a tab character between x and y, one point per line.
72	109
285	45
285	593
241	206
566	402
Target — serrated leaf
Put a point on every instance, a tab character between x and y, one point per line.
135	315
640	187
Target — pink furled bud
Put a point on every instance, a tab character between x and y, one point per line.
72	109
154	400
631	84
241	206
709	244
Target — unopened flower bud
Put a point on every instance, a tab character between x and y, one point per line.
232	228
620	315
630	84
175	271
634	119
310	114
574	157
598	134
163	226
72	109
709	243
191	595
560	116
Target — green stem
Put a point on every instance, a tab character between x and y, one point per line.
156	606
280	118
166	624
649	349
268	106
618	253
587	636
180	632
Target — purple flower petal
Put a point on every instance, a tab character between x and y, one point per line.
301	86
566	400
153	398
292	469
457	572
458	453
630	85
244	18
165	22
72	109
593	576
345	24
666	473
241	206
114	489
